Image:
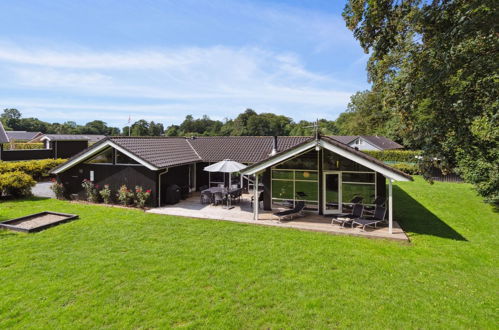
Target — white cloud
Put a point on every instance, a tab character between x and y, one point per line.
219	81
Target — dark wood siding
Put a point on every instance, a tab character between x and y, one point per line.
114	175
202	177
66	149
12	155
178	175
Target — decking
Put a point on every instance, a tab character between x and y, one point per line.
243	213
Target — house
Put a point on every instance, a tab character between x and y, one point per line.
320	171
23	136
90	138
366	142
4	138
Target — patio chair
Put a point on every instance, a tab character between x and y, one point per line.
206	197
348	207
290	214
378	217
378	201
346	218
218	198
260	198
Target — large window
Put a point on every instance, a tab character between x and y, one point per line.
121	158
297	180
361	184
335	162
103	157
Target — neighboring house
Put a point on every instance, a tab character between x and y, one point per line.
322	172
366	142
56	145
23	136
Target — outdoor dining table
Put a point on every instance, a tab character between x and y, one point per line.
226	192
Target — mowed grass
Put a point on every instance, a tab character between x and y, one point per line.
116	268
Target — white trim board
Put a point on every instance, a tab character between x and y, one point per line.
95	151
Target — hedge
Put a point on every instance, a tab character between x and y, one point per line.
23	146
408	156
37	169
17	184
411	169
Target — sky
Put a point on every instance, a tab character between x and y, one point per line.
162	60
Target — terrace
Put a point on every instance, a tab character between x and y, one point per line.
243	213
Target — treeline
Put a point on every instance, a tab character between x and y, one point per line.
247	123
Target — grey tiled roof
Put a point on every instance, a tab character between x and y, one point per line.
243	149
382	142
75	137
3	136
345	139
159	151
22	135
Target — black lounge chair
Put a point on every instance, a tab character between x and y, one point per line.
345	218
289	214
378	201
379	216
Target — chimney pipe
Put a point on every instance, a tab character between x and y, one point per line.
274	146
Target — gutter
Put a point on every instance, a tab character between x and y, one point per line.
159	186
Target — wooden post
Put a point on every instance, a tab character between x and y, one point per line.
390	207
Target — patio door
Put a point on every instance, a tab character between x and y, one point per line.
332	192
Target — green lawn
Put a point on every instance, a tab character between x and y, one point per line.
120	268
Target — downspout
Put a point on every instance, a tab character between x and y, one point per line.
159	186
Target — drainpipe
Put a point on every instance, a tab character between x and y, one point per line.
159	186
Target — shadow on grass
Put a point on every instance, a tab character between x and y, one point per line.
414	217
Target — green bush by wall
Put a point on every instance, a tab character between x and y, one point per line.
23	146
37	169
403	156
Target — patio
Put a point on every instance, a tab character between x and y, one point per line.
243	213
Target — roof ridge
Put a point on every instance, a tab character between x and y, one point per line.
193	149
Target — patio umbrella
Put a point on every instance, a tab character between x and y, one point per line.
225	166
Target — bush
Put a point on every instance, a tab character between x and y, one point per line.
105	193
91	191
141	196
37	169
124	195
23	146
17	184
58	189
408	156
411	169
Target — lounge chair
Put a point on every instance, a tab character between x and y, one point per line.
289	214
378	217
345	218
378	201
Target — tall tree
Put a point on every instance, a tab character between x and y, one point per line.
437	66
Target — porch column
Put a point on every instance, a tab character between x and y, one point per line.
390	207
256	203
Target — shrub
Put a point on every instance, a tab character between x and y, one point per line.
37	169
141	196
91	191
58	189
105	193
23	146
17	184
408	156
411	169
125	196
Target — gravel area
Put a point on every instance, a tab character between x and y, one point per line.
37	221
42	189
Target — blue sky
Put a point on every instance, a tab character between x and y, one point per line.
161	60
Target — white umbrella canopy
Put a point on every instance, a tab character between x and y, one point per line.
225	166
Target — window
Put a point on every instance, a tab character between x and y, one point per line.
358	184
297	179
335	162
104	157
121	158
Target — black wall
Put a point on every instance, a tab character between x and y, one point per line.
12	155
178	175
66	149
202	177
114	175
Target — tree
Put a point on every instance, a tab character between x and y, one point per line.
436	67
10	118
140	128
